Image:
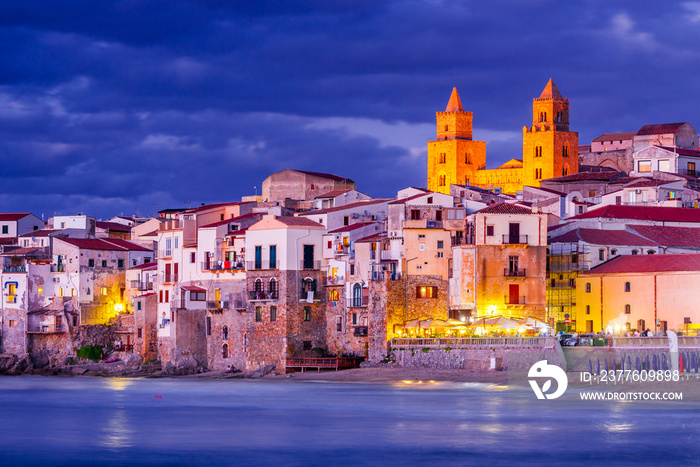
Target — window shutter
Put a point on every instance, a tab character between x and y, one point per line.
313	285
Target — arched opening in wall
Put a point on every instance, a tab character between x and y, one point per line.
224	333
565	170
543	116
333	295
224	351
274	289
565	150
357	295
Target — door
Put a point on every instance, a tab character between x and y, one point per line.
308	256
258	257
168	272
514	294
513	232
175	268
589	326
273	256
217	297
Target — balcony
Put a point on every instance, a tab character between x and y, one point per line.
361	331
262	265
309	265
337	280
381	275
514	272
692	173
141	286
341	249
58	268
262	296
44	328
170	278
165	253
515	239
177	305
514	299
457	241
223	265
13	268
217	305
357	302
422	224
389	255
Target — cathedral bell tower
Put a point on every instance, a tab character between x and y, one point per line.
453	158
549	148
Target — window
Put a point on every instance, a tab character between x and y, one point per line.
354	318
426	292
442	158
41	290
650	252
72	292
440	244
634	252
307	345
333	295
208	325
168	247
91	263
120	263
489	231
273	256
691	168
421	247
644	166
104	263
273	314
565	150
352	269
307	313
12	292
601	254
628	287
591	193
224	333
193	257
628	309
421	236
588	309
588	287
346	220
224	351
339	324
103	290
554	283
5	229
415	214
618	200
572	283
441	180
613	252
258	314
430	200
139	333
440	254
357	295
664	165
12	323
197	296
564	171
274	289
176	242
138	305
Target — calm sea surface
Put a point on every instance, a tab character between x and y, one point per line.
85	421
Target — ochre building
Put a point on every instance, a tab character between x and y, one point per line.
549	148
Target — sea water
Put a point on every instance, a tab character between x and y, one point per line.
95	421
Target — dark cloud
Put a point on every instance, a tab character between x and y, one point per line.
121	106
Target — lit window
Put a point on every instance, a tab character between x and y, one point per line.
103	290
644	166
307	313
41	290
258	313
426	292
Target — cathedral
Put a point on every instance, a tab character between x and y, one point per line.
549	148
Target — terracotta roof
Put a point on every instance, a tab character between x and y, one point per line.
207	207
659	129
237	233
8	241
511	164
550	91
359	204
144	266
682	152
454	104
541	188
115	226
669	236
615	136
145	295
645	182
372	238
13	216
647	213
194	288
410	198
505	208
324	175
40	233
24	251
297	221
172	210
232	219
348	228
127	245
604	175
333	194
150	234
110	244
647	263
602	237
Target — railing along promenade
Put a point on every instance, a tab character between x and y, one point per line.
438	342
644	342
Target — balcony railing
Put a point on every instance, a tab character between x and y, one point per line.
515	239
44	329
337	280
165	253
177	304
341	249
692	173
309	265
262	265
124	348
357	302
217	305
169	278
222	265
141	286
12	268
514	299
381	275
456	241
514	272
58	268
261	295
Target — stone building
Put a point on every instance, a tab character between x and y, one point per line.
549	148
302	185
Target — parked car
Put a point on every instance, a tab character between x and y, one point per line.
563	338
587	339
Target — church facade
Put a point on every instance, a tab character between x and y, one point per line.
549	148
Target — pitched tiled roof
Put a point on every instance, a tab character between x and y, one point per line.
359	204
233	219
8	240
207	207
682	152
602	237
645	182
647	213
348	228
114	226
325	175
109	244
144	266
333	194
554	192
505	208
550	91
297	221
669	236
126	244
648	263
39	233
603	175
659	129
13	216
615	136
372	238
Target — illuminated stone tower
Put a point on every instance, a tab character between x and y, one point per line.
453	158
549	148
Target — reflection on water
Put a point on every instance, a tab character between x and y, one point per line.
194	422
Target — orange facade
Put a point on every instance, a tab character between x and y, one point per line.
549	148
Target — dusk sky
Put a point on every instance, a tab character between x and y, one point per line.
118	107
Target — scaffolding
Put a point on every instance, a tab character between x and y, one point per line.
564	262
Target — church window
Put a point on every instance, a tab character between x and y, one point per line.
565	170
442	158
466	158
538	151
538	174
441	180
446	127
565	150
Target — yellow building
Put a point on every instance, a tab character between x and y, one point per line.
549	148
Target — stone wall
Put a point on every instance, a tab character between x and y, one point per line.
377	313
344	341
55	349
190	335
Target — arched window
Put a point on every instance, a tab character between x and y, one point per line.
628	287
613	252
224	351
634	252
258	289
224	333
333	295
274	289
588	287
588	309
628	309
565	170
650	252
565	150
357	295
